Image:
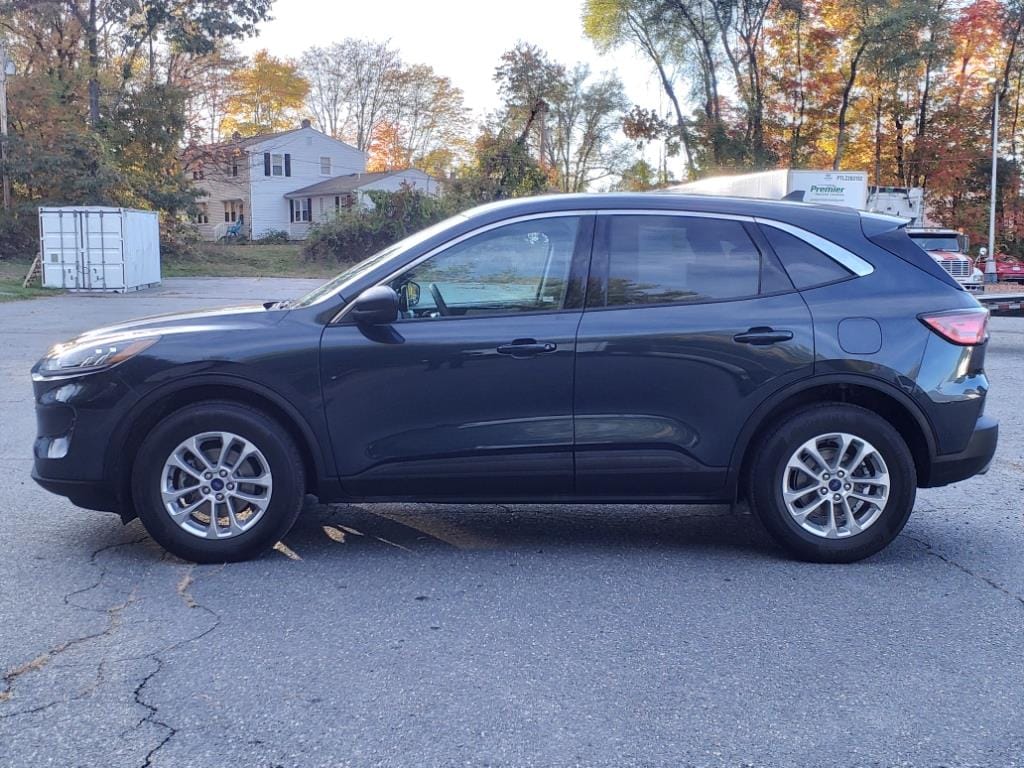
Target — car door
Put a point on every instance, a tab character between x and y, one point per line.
469	393
688	326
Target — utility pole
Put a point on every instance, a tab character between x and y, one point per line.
990	261
5	68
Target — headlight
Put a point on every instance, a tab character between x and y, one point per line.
75	357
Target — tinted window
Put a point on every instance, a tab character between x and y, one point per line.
806	265
659	259
522	267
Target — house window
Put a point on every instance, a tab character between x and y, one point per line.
234	167
325	166
301	210
202	215
277	165
197	174
232	210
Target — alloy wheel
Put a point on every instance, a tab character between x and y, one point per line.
216	485
835	485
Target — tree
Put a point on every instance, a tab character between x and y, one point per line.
370	84
206	82
565	118
585	118
266	96
121	32
644	25
500	168
638	177
324	69
429	113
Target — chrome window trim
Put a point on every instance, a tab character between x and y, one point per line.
673	212
461	238
837	253
848	259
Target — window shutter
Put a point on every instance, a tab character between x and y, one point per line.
287	164
266	163
291	210
309	209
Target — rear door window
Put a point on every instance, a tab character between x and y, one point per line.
671	259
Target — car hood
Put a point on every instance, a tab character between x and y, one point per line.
220	319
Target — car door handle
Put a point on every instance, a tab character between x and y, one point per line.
527	348
762	336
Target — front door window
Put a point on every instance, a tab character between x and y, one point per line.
520	267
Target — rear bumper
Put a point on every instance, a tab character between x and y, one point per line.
973	460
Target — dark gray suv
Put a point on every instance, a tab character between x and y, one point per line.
574	348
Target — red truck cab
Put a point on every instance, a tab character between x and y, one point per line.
949	249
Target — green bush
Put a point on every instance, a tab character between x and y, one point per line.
178	238
273	237
358	233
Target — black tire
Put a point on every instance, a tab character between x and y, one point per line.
767	473
249	423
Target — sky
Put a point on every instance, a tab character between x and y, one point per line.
461	39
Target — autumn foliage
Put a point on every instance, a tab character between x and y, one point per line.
902	89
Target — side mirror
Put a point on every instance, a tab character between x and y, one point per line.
983	252
376	306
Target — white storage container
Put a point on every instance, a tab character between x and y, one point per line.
93	248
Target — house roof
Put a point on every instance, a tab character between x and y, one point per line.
340	185
244	143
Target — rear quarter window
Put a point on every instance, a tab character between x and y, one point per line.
806	265
897	242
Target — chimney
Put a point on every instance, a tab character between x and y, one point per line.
305	122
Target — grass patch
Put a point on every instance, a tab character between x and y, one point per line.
12	273
215	260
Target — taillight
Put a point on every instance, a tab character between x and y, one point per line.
960	326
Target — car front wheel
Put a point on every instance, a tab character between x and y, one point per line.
217	482
833	483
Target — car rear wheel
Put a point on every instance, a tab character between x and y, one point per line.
833	483
218	482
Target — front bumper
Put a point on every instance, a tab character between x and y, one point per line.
88	494
973	460
76	421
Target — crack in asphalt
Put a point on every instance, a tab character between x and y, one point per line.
183	590
153	710
39	662
930	550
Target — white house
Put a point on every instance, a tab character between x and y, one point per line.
284	182
328	197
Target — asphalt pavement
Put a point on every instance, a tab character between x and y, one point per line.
415	635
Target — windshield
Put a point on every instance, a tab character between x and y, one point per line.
937	242
367	265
